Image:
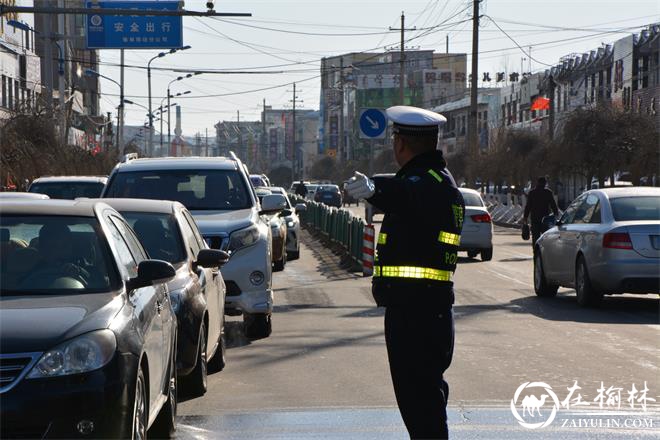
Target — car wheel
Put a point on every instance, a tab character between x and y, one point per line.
541	285
139	430
257	325
293	255
218	361
587	296
165	424
196	382
487	254
472	254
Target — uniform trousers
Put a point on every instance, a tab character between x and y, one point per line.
420	345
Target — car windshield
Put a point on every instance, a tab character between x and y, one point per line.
328	189
68	190
472	199
195	189
54	254
636	208
159	234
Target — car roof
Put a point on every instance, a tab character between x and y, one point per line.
277	189
90	179
78	208
23	195
143	205
471	191
628	191
178	163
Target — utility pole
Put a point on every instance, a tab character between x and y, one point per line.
447	44
264	146
62	75
207	142
120	114
48	62
294	153
474	90
240	136
342	138
402	57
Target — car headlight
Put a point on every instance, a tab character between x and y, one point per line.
290	224
85	353
176	298
243	238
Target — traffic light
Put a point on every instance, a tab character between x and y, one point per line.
500	76
513	77
209	6
486	77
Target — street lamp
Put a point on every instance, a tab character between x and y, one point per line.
178	78
120	109
168	114
160	55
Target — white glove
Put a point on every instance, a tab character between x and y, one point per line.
360	186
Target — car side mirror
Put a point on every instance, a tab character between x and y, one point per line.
211	258
272	204
301	207
286	213
151	272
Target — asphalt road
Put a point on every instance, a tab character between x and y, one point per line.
323	373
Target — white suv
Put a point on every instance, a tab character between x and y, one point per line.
218	193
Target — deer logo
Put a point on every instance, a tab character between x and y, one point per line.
531	405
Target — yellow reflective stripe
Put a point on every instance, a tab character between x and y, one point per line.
382	238
413	272
437	176
449	238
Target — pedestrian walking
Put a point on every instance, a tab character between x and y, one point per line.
415	261
301	189
540	203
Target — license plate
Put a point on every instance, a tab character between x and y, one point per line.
655	241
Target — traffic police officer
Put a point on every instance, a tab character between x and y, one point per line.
415	260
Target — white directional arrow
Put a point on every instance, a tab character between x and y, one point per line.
374	124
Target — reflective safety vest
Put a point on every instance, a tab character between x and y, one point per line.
417	247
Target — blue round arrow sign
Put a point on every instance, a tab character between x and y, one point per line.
373	122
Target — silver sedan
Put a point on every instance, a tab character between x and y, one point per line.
606	242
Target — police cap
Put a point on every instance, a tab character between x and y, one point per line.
413	121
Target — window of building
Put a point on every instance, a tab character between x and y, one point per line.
3	91
10	95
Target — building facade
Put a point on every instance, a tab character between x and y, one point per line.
20	73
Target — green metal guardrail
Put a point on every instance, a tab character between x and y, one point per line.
339	226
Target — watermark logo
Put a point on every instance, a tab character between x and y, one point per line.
535	405
531	405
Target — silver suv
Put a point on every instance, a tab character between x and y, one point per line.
218	193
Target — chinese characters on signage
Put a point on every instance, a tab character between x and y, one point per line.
134	32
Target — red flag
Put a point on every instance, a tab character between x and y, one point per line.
541	103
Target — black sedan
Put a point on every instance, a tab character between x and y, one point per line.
168	232
87	332
329	195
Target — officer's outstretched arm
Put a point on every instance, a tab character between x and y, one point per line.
402	195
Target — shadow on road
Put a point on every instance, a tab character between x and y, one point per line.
613	309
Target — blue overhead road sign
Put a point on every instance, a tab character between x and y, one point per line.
373	123
134	32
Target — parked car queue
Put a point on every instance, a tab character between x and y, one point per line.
118	277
